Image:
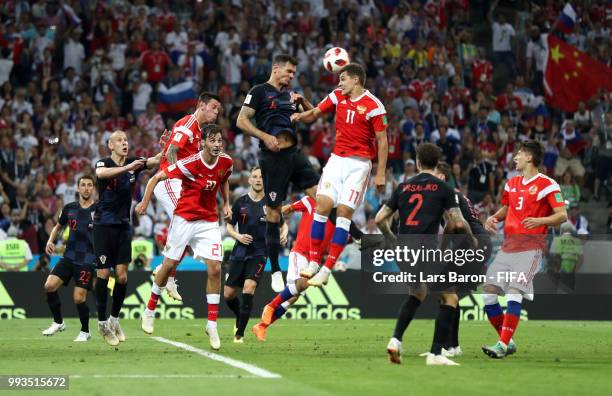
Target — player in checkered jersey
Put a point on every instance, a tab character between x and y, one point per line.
361	125
183	141
531	202
195	222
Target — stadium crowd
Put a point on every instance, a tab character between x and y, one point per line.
464	75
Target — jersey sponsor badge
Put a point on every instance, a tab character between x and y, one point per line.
103	259
385	120
559	197
100	164
361	109
272	195
247	100
177	137
533	190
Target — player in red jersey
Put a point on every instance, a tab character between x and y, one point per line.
298	261
531	203
195	222
361	122
183	141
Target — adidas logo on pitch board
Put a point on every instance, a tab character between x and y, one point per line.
135	303
328	302
472	307
7	306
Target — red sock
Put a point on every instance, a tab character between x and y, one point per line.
496	322
152	304
276	301
335	251
213	312
508	328
315	250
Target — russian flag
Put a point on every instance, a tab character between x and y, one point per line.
176	99
567	20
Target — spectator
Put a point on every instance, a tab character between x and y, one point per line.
15	254
502	39
577	220
569	188
481	179
409	171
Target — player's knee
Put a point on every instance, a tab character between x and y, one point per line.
273	214
229	293
103	273
489	298
345	212
214	269
121	277
249	287
50	287
450	299
492	289
80	296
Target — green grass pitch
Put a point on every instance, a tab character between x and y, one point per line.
314	358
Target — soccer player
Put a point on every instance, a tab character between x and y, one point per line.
272	104
472	216
423	201
183	141
361	121
78	261
298	262
195	222
248	257
112	232
531	202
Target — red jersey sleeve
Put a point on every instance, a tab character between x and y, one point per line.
183	169
505	199
379	123
303	205
328	104
181	135
553	196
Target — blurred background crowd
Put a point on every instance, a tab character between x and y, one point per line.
466	75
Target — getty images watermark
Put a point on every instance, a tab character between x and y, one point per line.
560	264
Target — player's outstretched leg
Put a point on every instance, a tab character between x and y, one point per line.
55	306
147	319
288	292
213	297
338	242
404	317
119	292
80	299
443	326
510	323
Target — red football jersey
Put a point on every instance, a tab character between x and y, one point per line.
528	198
186	135
201	182
357	120
306	205
418	88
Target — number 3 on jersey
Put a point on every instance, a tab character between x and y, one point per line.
519	205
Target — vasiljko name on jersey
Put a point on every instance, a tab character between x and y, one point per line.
329	302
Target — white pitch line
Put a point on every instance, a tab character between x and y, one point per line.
257	371
140	376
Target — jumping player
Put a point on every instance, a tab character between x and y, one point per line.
248	257
271	104
183	141
531	202
78	261
422	202
112	230
360	122
195	222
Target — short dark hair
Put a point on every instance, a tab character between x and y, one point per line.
86	177
253	169
282	59
355	70
206	97
428	155
534	148
210	130
445	169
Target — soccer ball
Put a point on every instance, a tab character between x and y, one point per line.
335	59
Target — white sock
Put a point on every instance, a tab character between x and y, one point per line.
213	298
324	269
101	322
158	290
285	304
113	319
211	324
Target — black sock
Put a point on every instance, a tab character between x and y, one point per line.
83	309
444	323
234	305
101	298
245	313
405	316
273	244
55	306
453	334
118	297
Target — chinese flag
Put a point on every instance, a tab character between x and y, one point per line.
571	76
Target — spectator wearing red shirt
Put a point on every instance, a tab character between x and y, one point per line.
155	62
502	103
482	70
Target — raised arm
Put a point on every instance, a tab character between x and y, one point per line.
308	116
102	172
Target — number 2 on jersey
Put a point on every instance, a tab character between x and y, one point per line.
410	221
